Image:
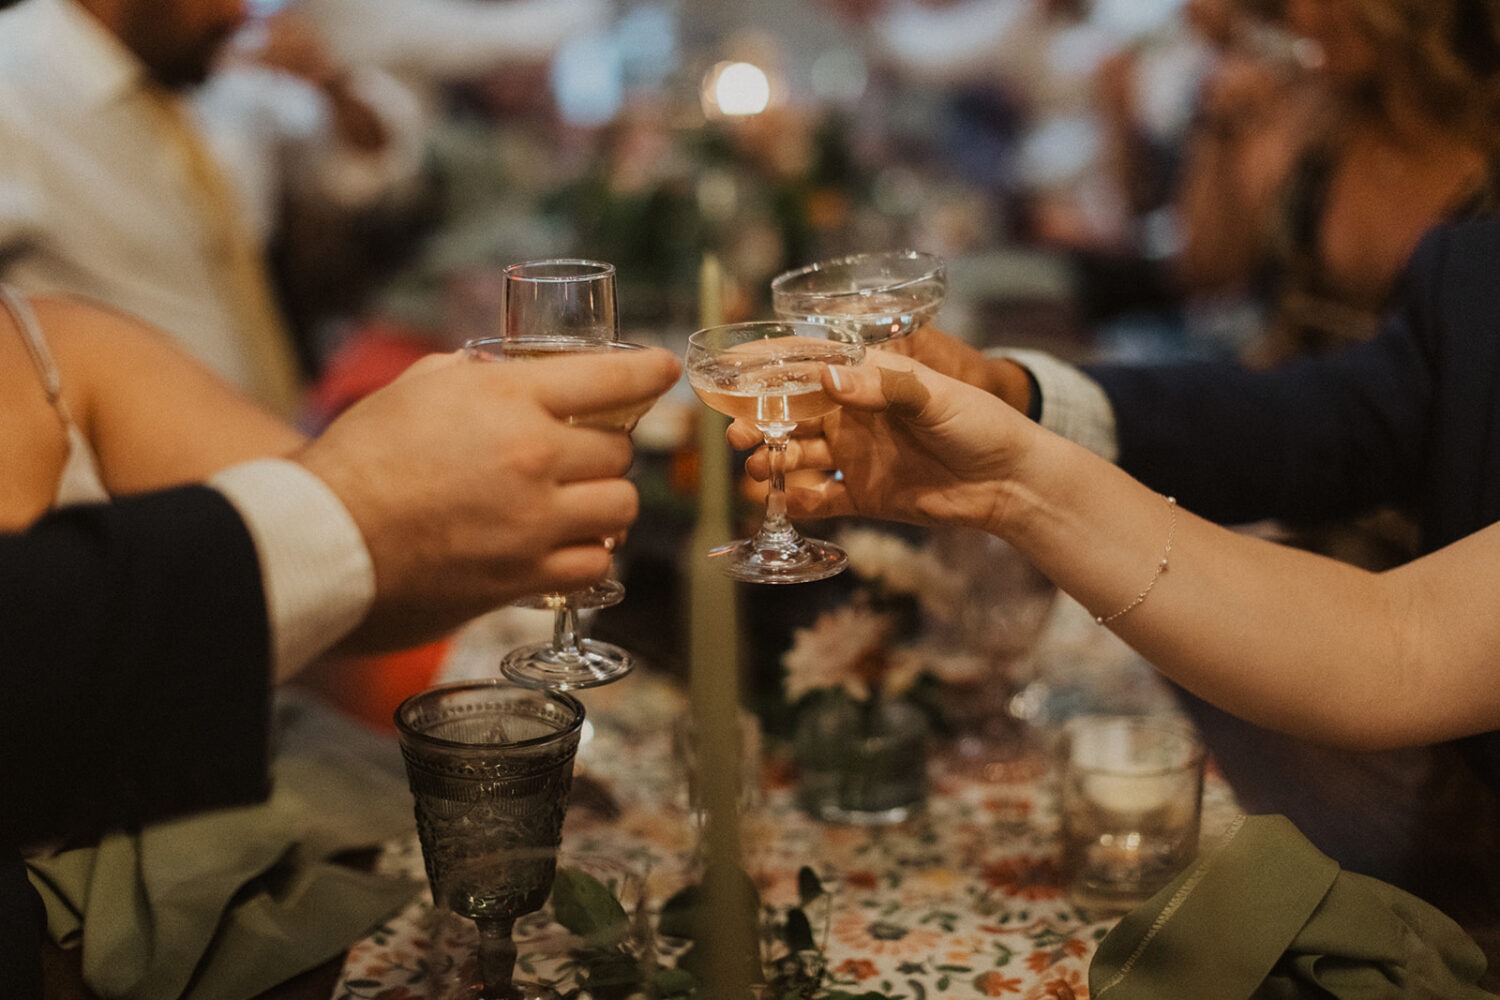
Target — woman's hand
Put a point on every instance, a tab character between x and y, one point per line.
910	444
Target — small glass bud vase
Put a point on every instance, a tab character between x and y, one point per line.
861	762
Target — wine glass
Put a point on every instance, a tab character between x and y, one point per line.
567	661
561	297
772	373
490	767
566	300
881	296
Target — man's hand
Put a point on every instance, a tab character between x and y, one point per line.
471	488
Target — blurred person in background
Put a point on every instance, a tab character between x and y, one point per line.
148	154
1328	142
428	44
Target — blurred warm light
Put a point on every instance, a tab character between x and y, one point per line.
736	89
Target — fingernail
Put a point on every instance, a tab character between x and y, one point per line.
836	377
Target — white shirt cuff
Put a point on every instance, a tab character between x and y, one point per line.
318	577
1073	404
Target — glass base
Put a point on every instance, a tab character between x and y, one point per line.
542	666
802	561
604	594
519	990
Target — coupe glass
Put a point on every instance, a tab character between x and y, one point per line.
772	373
880	296
490	767
568	661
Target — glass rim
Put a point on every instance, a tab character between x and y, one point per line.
474	347
821	331
1194	752
935	266
585	269
406	730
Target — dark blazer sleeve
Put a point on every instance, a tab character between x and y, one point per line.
1313	440
135	643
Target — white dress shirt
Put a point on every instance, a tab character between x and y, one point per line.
89	203
450	39
1072	404
317	574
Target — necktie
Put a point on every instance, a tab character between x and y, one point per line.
238	261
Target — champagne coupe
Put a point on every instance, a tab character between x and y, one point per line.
880	296
771	373
490	767
568	661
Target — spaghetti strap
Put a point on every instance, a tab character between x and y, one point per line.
80	481
31	333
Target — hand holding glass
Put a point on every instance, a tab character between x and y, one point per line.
568	661
772	373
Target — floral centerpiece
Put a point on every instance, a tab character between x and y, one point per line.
861	679
940	630
875	646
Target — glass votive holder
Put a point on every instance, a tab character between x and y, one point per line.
1130	803
685	752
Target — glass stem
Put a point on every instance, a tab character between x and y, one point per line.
776	527
565	628
497	959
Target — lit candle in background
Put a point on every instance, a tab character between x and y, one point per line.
714	671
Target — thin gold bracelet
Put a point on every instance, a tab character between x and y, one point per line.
1161	567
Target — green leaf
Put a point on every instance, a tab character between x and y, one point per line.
809	887
799	935
585	906
675	982
679	914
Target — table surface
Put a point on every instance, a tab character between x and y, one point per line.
963	900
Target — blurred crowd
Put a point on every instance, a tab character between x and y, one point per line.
1206	177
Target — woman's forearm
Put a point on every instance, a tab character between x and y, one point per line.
1282	637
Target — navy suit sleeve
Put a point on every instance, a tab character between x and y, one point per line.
1313	440
135	642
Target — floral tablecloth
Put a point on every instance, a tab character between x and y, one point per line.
964	900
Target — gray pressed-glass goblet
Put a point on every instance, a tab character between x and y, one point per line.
490	766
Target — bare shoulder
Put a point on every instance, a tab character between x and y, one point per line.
73	324
95	344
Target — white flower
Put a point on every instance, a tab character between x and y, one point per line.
952	665
843	648
884	559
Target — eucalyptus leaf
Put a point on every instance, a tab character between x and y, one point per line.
679	914
799	935
586	907
675	983
809	887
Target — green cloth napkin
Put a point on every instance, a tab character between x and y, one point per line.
1265	915
226	904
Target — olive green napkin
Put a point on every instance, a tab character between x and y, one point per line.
226	904
1263	914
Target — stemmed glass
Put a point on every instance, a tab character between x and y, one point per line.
772	373
1002	609
881	296
564	307
490	767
